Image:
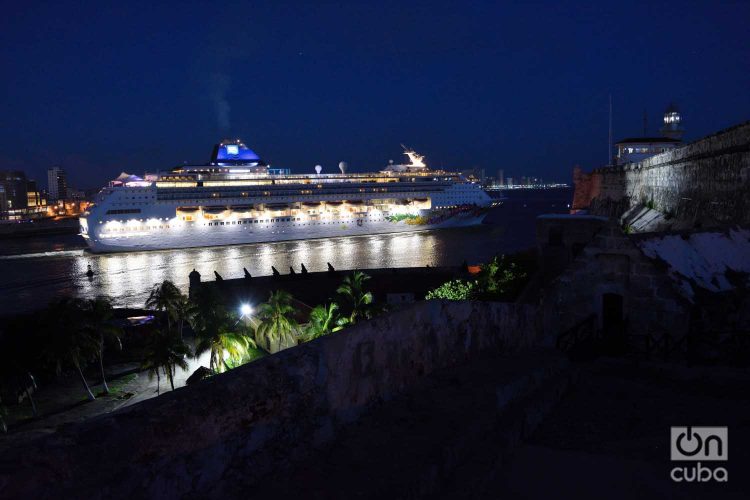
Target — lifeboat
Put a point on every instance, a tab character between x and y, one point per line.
241	208
311	203
215	210
277	206
334	202
188	210
354	202
421	200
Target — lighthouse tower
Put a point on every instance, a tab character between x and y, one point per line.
672	123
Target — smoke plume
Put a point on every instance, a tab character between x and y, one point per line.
219	88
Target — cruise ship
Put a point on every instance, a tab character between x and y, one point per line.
237	198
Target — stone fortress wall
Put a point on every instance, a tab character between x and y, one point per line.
704	183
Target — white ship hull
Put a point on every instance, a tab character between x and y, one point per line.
193	235
236	199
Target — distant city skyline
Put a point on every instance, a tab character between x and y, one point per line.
524	88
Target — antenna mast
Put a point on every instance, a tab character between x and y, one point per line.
609	145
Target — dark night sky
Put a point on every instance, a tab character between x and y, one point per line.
135	86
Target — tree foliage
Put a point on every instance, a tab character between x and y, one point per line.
70	343
499	279
214	331
453	290
166	297
165	351
324	319
98	321
356	302
277	329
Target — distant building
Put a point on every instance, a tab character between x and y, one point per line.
14	184
3	203
475	174
639	148
635	149
35	200
57	184
501	177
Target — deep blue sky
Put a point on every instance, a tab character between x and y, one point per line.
136	86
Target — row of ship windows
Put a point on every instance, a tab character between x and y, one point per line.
288	219
255	221
119	211
239	223
293	194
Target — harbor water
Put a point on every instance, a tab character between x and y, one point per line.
39	269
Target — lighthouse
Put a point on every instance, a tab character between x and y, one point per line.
672	123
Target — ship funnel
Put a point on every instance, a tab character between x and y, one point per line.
343	166
318	169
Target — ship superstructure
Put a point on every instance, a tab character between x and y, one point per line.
237	198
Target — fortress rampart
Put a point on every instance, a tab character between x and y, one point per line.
704	183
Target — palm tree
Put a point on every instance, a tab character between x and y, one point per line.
165	351
324	319
70	343
182	310
357	300
214	333
227	349
99	316
163	298
276	328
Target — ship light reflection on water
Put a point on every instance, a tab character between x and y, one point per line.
33	277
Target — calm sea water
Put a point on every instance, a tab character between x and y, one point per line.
36	270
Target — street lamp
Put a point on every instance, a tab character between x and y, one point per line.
246	310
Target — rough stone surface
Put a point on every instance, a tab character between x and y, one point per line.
613	263
262	416
704	183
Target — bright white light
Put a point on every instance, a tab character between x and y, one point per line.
415	160
246	309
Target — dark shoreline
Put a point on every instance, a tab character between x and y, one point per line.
43	227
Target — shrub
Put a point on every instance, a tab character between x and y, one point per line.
453	290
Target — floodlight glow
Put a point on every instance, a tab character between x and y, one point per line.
246	309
